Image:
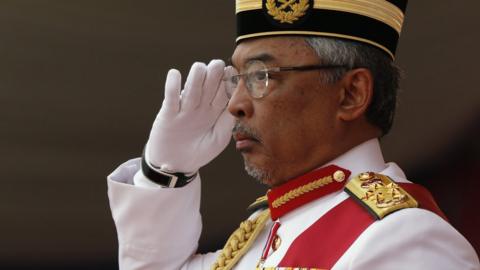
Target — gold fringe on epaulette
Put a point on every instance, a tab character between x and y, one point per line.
240	241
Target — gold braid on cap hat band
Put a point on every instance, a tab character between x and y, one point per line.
379	10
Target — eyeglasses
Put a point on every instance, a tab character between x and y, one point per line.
257	76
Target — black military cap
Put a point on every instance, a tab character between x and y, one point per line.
375	22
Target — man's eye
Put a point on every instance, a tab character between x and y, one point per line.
259	75
234	79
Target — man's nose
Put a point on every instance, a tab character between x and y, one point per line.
240	104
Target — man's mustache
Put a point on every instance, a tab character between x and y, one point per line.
245	130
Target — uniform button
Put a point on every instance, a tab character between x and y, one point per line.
339	176
277	241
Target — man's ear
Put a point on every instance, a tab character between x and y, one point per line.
356	94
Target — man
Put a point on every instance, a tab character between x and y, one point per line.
312	87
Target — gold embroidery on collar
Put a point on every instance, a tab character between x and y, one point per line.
294	193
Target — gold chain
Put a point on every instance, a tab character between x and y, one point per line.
240	241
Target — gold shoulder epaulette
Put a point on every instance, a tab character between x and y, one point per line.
259	203
379	194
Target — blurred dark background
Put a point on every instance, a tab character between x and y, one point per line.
81	82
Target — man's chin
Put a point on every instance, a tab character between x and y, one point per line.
261	175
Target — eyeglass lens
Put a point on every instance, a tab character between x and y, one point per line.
255	79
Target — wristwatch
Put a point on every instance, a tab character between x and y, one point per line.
163	178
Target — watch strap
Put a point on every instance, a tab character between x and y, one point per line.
165	179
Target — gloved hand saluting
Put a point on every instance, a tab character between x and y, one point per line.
193	125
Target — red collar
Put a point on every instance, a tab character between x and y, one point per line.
304	189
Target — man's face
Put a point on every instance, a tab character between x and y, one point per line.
291	130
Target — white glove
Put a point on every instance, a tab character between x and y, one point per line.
193	126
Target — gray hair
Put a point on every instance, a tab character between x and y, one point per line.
355	55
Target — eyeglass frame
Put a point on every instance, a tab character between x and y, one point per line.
267	72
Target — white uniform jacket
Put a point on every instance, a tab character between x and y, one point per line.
158	228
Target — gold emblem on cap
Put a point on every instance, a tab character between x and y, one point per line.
339	176
288	11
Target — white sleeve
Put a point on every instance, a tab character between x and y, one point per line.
158	228
413	239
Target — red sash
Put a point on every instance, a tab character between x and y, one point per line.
323	243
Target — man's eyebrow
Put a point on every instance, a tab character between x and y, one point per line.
263	57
